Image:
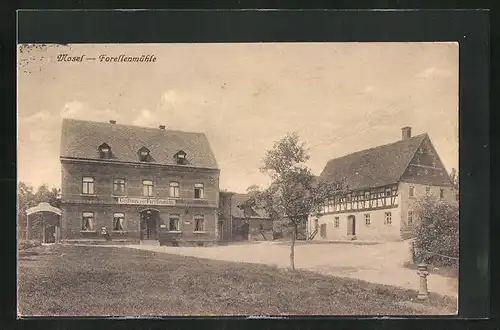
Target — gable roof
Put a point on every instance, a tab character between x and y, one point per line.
81	139
237	212
374	167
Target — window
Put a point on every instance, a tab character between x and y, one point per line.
388	218
180	157
104	151
388	192
198	190
410	218
174	189
198	223
88	186
87	221
412	191
144	155
147	188
441	193
367	219
427	189
118	220
119	186
367	195
173	224
336	222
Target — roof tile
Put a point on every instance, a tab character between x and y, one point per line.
81	139
374	167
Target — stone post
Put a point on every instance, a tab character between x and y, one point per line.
423	293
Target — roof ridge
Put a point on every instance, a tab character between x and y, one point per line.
379	147
130	125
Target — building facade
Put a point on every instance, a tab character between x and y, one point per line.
241	222
382	186
126	182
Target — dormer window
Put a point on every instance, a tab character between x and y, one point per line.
180	157
104	151
144	155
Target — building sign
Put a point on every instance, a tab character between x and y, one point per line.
145	201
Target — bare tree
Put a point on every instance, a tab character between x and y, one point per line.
295	193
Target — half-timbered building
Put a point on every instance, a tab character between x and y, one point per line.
124	182
382	185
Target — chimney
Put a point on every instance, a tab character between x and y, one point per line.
406	132
112	121
162	126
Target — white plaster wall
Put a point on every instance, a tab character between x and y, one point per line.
376	231
408	203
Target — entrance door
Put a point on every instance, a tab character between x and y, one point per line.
50	233
149	223
221	230
244	231
322	231
351	225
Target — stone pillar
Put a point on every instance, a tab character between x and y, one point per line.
423	293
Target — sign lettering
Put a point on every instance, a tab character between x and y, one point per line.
145	201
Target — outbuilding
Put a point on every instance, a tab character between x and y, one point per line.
44	223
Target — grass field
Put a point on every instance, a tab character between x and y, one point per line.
96	281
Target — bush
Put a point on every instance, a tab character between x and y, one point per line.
28	244
436	232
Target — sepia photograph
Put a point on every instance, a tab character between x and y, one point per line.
238	179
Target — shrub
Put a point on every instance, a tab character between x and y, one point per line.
28	244
436	232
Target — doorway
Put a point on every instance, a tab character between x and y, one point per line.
351	225
245	228
49	235
221	230
322	231
149	224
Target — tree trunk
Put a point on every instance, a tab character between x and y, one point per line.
292	248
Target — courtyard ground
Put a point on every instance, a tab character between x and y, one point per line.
64	280
382	263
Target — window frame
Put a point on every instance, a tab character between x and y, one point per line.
336	222
115	184
411	191
83	217
177	217
122	222
104	151
88	184
200	189
174	189
148	186
409	218
368	220
197	218
144	154
388	218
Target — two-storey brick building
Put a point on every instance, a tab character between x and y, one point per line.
383	184
137	183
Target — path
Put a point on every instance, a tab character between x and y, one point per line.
381	263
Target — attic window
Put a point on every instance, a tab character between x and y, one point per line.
144	155
104	151
180	157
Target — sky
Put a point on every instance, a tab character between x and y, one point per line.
339	97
